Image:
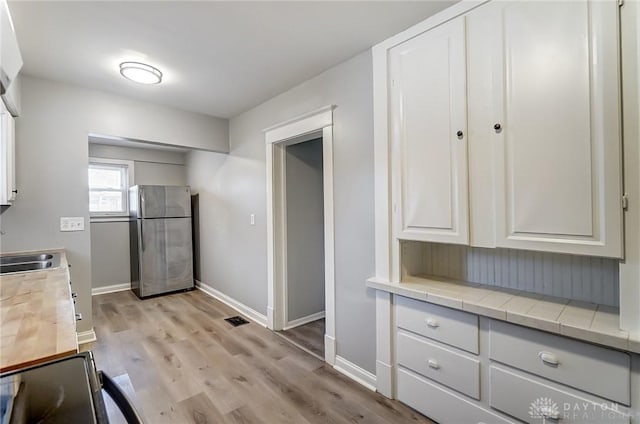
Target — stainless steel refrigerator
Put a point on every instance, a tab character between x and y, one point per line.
160	238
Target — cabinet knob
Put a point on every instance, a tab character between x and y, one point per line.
497	127
432	323
14	191
433	364
549	358
459	134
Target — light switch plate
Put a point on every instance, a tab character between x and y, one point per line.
72	223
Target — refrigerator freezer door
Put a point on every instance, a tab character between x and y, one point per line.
165	255
164	202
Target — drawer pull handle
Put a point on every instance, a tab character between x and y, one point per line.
549	358
432	323
433	364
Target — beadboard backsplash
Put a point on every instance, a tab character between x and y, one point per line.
585	278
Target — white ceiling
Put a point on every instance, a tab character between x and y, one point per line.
218	57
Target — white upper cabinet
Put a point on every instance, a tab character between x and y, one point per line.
427	123
548	76
7	157
532	87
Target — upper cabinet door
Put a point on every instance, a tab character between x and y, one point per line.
557	144
427	116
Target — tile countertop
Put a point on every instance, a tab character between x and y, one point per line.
580	320
37	318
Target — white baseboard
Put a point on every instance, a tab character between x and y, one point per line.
304	320
86	336
110	289
252	314
356	373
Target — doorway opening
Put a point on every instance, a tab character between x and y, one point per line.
304	244
300	232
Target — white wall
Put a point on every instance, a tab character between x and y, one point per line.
234	186
305	229
52	157
110	240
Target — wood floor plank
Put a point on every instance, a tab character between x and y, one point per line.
199	409
182	363
310	336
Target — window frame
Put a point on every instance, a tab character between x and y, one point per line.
129	174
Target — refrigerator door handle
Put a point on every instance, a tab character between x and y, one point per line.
141	236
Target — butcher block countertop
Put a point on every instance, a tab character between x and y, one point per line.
37	317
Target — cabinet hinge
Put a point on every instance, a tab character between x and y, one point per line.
625	202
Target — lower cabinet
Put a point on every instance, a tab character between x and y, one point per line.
532	400
440	404
516	374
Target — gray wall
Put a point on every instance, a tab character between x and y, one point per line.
151	166
232	187
110	240
110	254
305	229
51	164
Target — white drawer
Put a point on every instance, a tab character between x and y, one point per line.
443	365
529	400
594	369
439	404
455	328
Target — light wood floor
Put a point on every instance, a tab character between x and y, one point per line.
182	363
310	336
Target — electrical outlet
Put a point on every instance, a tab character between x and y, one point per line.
75	223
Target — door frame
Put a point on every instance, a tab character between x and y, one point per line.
315	124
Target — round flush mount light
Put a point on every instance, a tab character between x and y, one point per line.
140	73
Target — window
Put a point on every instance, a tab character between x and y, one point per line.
109	186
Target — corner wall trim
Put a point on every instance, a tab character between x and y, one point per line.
86	336
355	373
110	289
304	320
250	313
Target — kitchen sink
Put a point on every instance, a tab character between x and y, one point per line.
25	258
31	262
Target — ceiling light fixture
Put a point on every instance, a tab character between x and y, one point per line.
140	72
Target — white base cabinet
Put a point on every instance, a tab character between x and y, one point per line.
516	374
533	400
441	404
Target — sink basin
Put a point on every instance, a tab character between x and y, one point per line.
30	262
28	266
25	258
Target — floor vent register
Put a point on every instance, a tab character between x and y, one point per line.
236	321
